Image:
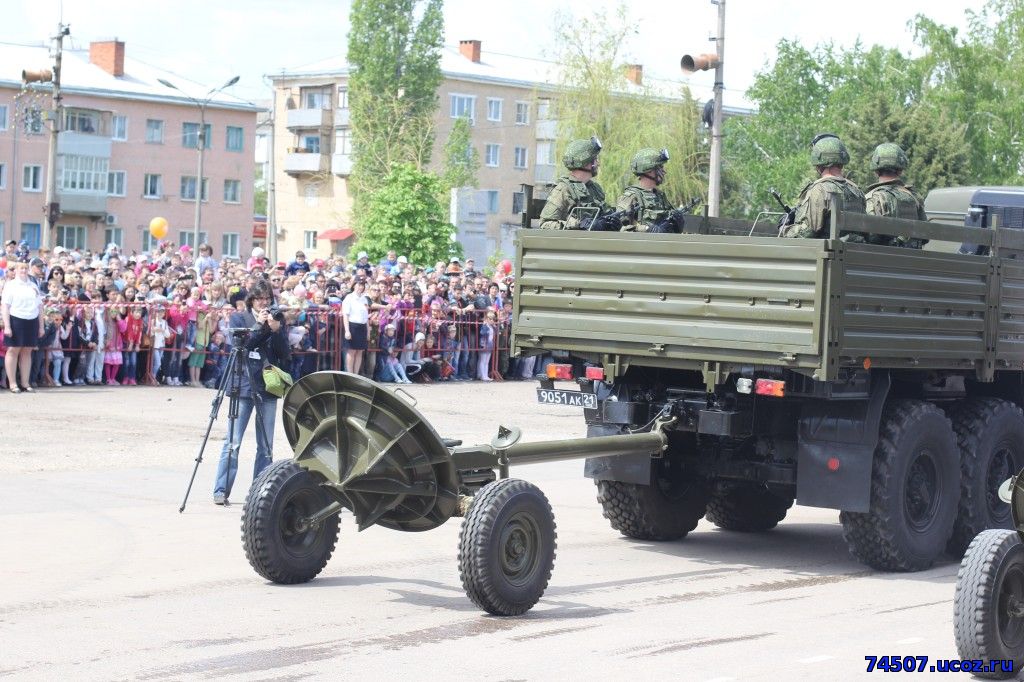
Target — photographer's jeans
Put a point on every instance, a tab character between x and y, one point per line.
264	442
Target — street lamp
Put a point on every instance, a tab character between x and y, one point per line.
201	144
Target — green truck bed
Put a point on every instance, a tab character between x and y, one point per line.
810	305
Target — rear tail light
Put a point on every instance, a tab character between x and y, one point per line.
596	373
770	387
557	371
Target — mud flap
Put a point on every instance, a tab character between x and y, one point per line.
835	449
624	468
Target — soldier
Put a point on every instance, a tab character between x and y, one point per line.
577	190
647	205
890	196
811	216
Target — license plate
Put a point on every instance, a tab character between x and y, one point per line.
549	396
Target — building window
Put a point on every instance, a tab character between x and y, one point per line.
152	186
312	196
492	154
115	183
188	188
32	120
190	135
316	99
543	110
522	113
518	199
81	122
154	131
463	105
32	179
229	245
71	236
311	144
3	232
120	128
544	154
113	235
520	157
343	141
87	174
31	232
3	117
492	201
342	97
494	109
148	241
232	191
186	237
309	239
235	139
3	176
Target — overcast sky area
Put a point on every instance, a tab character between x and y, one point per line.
210	41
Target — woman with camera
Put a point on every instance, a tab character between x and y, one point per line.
261	333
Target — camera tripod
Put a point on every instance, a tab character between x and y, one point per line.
230	385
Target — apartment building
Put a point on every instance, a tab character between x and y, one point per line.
127	152
507	101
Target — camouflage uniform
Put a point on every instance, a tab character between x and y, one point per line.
566	195
893	198
812	211
653	207
569	194
811	219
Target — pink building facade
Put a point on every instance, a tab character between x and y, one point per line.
127	152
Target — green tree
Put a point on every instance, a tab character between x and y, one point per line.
259	195
596	98
395	73
461	159
405	214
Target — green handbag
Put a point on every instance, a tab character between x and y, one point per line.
276	380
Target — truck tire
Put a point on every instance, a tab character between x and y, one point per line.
990	435
277	547
667	510
507	547
989	584
746	507
915	485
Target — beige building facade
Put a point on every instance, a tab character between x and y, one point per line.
505	99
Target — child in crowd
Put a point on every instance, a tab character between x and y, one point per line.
132	343
216	359
200	340
87	338
487	334
159	331
114	340
59	363
392	370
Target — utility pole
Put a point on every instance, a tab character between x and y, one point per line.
51	211
271	199
703	62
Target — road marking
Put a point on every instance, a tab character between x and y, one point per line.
815	659
911	640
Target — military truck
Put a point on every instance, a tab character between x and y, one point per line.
880	381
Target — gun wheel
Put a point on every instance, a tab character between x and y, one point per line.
277	542
507	547
988	613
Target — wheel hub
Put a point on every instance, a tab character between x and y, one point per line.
921	491
1000	468
520	547
1011	608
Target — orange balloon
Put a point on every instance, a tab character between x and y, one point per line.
158	227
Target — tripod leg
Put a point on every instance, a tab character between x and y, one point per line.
215	408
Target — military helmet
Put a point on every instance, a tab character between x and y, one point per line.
581	153
828	150
889	155
647	160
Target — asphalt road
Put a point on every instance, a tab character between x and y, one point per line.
104	580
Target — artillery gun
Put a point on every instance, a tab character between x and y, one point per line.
988	614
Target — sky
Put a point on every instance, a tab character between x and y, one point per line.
210	41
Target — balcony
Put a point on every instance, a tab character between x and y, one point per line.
296	162
308	118
543	172
547	130
82	203
72	143
341	164
341	118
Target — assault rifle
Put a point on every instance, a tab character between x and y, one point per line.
609	222
789	214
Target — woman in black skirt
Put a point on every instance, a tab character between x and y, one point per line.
355	313
23	326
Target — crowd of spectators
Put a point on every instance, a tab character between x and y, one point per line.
164	316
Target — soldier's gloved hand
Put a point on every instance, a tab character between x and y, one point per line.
664	227
609	222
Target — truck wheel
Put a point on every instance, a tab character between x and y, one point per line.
988	612
507	547
667	510
276	543
990	435
747	507
915	484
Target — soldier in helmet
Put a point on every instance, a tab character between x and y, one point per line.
577	202
643	201
828	156
890	196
